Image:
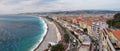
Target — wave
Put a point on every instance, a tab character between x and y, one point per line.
43	35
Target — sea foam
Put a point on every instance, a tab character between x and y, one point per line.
43	35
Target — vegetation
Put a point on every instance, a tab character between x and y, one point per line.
58	47
117	16
66	38
76	43
114	22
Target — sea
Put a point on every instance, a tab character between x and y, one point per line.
21	33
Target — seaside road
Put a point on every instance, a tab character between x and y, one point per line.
51	36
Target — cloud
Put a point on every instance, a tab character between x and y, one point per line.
18	6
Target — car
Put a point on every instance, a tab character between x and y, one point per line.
74	41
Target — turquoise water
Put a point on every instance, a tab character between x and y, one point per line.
20	33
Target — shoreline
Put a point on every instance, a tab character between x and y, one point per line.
40	41
51	36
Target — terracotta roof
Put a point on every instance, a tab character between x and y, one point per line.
78	20
101	30
89	22
116	33
75	17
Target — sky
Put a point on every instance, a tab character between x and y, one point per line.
21	6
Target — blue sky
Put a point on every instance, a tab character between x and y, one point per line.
18	6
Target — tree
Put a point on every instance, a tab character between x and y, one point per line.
66	38
117	25
115	22
117	17
111	23
58	47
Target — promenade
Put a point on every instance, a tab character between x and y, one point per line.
51	36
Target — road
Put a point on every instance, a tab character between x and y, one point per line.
73	46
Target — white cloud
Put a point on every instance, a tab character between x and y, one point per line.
17	6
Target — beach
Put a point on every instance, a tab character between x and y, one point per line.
52	35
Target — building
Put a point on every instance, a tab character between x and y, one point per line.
115	39
105	41
86	43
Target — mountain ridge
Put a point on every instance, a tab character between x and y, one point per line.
77	12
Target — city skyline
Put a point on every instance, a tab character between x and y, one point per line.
21	6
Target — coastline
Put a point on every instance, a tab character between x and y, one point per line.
51	36
49	31
42	37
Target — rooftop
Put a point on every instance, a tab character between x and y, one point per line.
116	33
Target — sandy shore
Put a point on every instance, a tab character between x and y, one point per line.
51	36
